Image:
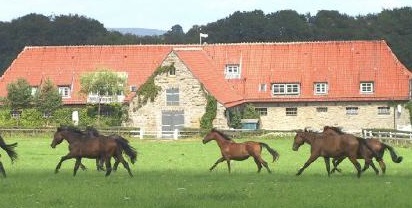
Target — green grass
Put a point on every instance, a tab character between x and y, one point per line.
175	174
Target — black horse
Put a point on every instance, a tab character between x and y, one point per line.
9	148
98	147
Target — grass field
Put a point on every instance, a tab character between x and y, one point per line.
175	174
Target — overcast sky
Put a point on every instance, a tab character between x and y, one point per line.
163	14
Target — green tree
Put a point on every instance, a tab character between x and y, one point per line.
249	112
103	83
47	99
19	94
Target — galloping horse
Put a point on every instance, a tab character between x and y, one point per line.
9	148
239	151
375	145
327	146
100	147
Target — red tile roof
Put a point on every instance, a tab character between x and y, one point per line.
342	64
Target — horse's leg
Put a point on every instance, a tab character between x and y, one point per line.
77	165
120	159
307	163
108	166
62	159
217	162
116	163
258	163
336	163
3	172
382	165
262	162
374	168
356	164
327	164
228	165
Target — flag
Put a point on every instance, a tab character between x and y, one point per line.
203	35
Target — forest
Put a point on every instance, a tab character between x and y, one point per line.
393	26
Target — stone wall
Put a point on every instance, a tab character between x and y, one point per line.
192	100
307	116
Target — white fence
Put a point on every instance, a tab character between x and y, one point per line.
397	137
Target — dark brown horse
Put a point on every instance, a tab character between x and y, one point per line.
239	151
376	149
9	148
328	146
102	148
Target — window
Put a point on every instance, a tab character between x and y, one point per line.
320	88
15	114
262	88
64	91
352	110
172	71
133	88
262	111
366	87
384	110
291	111
172	96
33	90
46	114
232	71
286	89
322	109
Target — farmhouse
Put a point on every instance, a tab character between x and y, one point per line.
352	84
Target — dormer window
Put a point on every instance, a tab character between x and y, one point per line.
64	91
232	71
366	87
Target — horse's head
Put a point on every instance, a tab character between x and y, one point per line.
298	141
209	136
57	138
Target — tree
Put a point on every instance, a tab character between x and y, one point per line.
47	99
103	83
19	94
175	35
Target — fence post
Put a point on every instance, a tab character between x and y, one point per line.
176	134
141	132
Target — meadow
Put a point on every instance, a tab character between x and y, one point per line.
175	174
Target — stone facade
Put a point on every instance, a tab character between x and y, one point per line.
314	115
192	100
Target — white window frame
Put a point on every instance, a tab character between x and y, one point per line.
384	110
286	89
262	111
366	87
321	109
262	87
232	71
34	90
352	110
172	93
65	91
291	111
320	88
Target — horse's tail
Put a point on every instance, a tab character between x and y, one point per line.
9	148
128	150
394	156
273	152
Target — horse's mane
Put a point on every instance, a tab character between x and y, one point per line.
336	129
222	134
71	129
91	131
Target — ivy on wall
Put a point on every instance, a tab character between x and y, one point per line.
149	90
206	122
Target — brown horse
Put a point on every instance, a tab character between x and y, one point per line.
239	151
378	149
102	148
9	148
327	146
